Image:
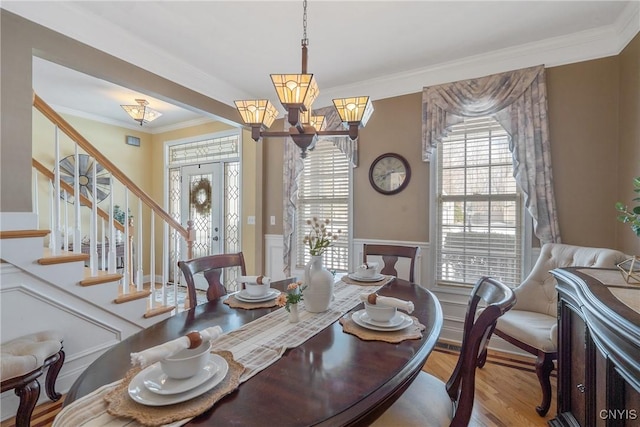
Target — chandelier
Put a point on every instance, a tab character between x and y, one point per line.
140	112
296	93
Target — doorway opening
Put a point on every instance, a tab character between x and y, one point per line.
203	186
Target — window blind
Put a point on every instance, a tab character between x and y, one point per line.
323	193
479	219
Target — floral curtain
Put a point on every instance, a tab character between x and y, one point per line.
293	166
518	101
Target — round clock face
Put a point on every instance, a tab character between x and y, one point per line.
389	173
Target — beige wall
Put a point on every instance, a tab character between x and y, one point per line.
583	112
594	130
629	149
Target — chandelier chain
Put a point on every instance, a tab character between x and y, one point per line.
305	40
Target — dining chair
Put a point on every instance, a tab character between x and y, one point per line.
211	266
430	402
531	325
390	255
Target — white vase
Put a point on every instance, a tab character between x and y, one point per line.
319	281
294	317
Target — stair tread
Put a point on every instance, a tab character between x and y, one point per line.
61	257
16	234
100	277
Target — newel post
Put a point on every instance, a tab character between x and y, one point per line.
191	232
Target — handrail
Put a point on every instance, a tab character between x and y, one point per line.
69	189
63	125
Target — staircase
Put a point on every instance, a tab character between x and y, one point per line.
46	285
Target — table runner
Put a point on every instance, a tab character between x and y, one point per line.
256	345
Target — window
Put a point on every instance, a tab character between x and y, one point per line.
479	220
324	193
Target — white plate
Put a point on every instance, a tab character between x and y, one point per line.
392	323
158	382
406	322
140	393
245	297
359	278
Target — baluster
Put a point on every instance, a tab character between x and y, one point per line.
52	218
36	206
126	276
93	235
77	233
165	264
103	252
65	238
113	245
176	271
152	260
56	231
139	275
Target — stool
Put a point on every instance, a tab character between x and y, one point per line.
22	361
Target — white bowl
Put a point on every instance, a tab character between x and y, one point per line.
256	290
380	313
368	270
188	362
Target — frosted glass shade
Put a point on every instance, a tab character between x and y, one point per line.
141	113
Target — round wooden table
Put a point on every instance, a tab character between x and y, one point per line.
333	379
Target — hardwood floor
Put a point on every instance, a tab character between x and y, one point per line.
507	392
507	389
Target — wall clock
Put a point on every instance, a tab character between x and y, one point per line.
389	173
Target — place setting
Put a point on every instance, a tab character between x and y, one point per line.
367	274
183	371
257	293
381	320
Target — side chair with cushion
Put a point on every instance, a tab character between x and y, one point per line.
430	402
390	255
531	325
22	362
211	266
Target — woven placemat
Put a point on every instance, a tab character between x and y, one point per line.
121	405
233	302
412	332
384	281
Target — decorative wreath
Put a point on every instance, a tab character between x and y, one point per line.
200	196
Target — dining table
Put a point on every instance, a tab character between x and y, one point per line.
332	379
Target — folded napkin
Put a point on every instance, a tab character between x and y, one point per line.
387	301
369	265
261	280
162	351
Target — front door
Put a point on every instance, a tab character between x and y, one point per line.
201	202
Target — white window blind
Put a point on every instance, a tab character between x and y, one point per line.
479	208
323	192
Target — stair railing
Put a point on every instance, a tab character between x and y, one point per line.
175	236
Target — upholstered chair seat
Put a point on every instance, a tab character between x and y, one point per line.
532	323
22	362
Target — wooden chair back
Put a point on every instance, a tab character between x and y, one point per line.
211	266
499	299
390	255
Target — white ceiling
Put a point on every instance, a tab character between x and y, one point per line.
227	49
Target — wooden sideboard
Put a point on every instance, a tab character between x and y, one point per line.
598	349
